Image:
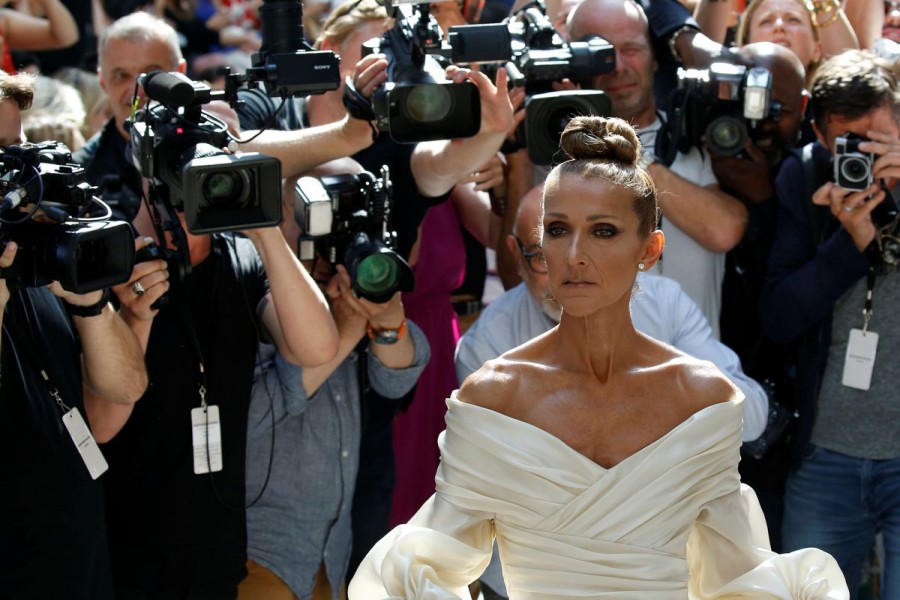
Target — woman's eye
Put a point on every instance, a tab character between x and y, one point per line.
554	230
606	232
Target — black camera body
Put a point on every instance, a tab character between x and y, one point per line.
535	56
723	105
346	220
179	148
852	168
66	243
417	103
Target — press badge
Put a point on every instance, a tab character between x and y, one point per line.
85	443
860	359
207	438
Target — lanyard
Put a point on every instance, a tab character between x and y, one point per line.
867	304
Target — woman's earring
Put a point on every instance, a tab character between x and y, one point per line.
640	266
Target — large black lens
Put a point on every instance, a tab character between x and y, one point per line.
428	103
377	274
223	187
726	136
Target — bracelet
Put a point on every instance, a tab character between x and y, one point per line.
674	38
92	310
386	336
834	17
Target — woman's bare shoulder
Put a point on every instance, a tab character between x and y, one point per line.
500	381
699	383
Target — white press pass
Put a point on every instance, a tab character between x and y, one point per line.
207	439
85	443
860	359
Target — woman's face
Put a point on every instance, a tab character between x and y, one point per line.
590	242
787	23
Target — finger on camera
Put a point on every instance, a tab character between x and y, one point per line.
823	195
143	269
9	255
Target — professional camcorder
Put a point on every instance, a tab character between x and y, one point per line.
535	56
417	103
346	220
723	105
50	212
179	148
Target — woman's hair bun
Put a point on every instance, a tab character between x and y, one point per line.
601	138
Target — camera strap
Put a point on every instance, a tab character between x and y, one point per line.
358	106
72	420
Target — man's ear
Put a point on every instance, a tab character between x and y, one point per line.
820	134
512	245
804	103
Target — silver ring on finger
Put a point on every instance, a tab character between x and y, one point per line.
137	288
848	209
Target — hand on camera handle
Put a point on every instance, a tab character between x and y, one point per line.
887	149
149	281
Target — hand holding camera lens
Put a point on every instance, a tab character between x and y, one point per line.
6	260
148	282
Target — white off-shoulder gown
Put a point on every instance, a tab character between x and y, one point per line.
672	521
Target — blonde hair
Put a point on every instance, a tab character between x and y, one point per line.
348	17
743	31
57	114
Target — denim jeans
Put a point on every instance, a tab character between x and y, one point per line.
838	503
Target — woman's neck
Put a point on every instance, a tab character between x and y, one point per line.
602	343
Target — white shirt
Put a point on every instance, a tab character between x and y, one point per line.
699	271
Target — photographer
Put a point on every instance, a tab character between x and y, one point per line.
298	530
701	222
831	288
61	353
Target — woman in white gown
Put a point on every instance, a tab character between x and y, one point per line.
602	461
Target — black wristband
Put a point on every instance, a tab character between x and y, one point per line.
89	311
357	105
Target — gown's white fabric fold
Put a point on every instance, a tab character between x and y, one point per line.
670	522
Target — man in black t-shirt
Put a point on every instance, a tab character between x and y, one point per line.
177	530
61	356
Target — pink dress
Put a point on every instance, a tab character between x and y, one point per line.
439	270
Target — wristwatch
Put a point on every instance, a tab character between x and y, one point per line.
93	310
386	336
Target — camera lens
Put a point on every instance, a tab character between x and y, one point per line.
377	274
224	187
726	136
854	169
428	103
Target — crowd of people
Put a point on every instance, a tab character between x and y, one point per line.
683	391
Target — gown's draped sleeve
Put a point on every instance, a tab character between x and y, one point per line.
729	557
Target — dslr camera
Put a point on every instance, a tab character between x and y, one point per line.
346	220
179	148
535	56
723	105
51	213
852	168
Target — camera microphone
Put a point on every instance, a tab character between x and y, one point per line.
172	88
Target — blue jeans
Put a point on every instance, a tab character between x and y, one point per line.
838	503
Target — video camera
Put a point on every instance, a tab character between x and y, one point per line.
58	237
179	148
346	220
535	56
417	103
724	104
